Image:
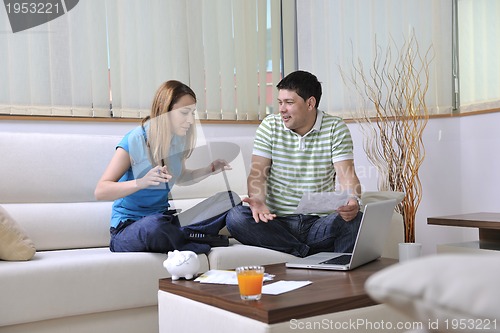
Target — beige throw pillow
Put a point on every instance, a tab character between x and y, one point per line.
368	197
446	292
14	243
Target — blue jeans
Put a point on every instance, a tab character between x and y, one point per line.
163	232
299	235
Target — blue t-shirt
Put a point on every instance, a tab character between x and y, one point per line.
153	199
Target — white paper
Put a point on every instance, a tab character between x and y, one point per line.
281	287
321	202
217	276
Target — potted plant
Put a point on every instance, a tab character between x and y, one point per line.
392	115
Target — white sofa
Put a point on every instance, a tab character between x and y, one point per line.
73	282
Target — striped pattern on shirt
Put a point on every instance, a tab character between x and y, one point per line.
301	163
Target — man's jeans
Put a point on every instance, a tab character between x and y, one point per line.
300	235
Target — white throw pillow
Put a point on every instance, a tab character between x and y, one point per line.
455	292
14	243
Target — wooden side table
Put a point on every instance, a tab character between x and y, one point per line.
487	223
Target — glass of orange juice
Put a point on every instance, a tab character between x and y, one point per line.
250	282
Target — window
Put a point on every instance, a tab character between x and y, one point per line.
333	35
107	58
57	68
478	54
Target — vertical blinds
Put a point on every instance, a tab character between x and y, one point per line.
335	35
479	54
117	52
58	68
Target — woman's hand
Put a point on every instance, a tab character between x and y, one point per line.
218	166
190	177
154	177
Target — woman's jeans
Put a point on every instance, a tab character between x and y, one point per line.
300	235
163	232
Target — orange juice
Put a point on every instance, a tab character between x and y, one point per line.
250	282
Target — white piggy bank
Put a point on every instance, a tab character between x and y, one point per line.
182	264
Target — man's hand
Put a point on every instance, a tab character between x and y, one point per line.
260	212
349	211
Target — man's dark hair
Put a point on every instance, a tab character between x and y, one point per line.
303	83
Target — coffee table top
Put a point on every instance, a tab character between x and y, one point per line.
330	291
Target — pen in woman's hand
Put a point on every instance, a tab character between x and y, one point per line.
163	173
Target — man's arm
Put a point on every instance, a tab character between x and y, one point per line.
347	180
256	183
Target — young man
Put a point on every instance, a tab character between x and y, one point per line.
299	150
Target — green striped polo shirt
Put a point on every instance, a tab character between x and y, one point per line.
301	163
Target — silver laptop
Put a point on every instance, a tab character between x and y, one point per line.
369	243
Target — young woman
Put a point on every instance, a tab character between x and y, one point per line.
147	163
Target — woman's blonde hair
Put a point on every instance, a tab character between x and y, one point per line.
160	129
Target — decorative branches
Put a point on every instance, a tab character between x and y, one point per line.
394	123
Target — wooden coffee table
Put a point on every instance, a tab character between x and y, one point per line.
330	292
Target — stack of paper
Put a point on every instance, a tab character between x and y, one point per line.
229	277
224	277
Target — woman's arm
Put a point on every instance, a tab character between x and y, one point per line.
192	176
108	187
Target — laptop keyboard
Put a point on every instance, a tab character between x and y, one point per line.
340	260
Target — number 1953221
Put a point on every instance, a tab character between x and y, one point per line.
33	8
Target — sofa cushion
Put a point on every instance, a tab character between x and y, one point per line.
57	284
448	289
238	254
374	196
68	166
14	242
59	226
396	233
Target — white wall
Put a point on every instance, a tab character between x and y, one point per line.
459	174
440	177
112	128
